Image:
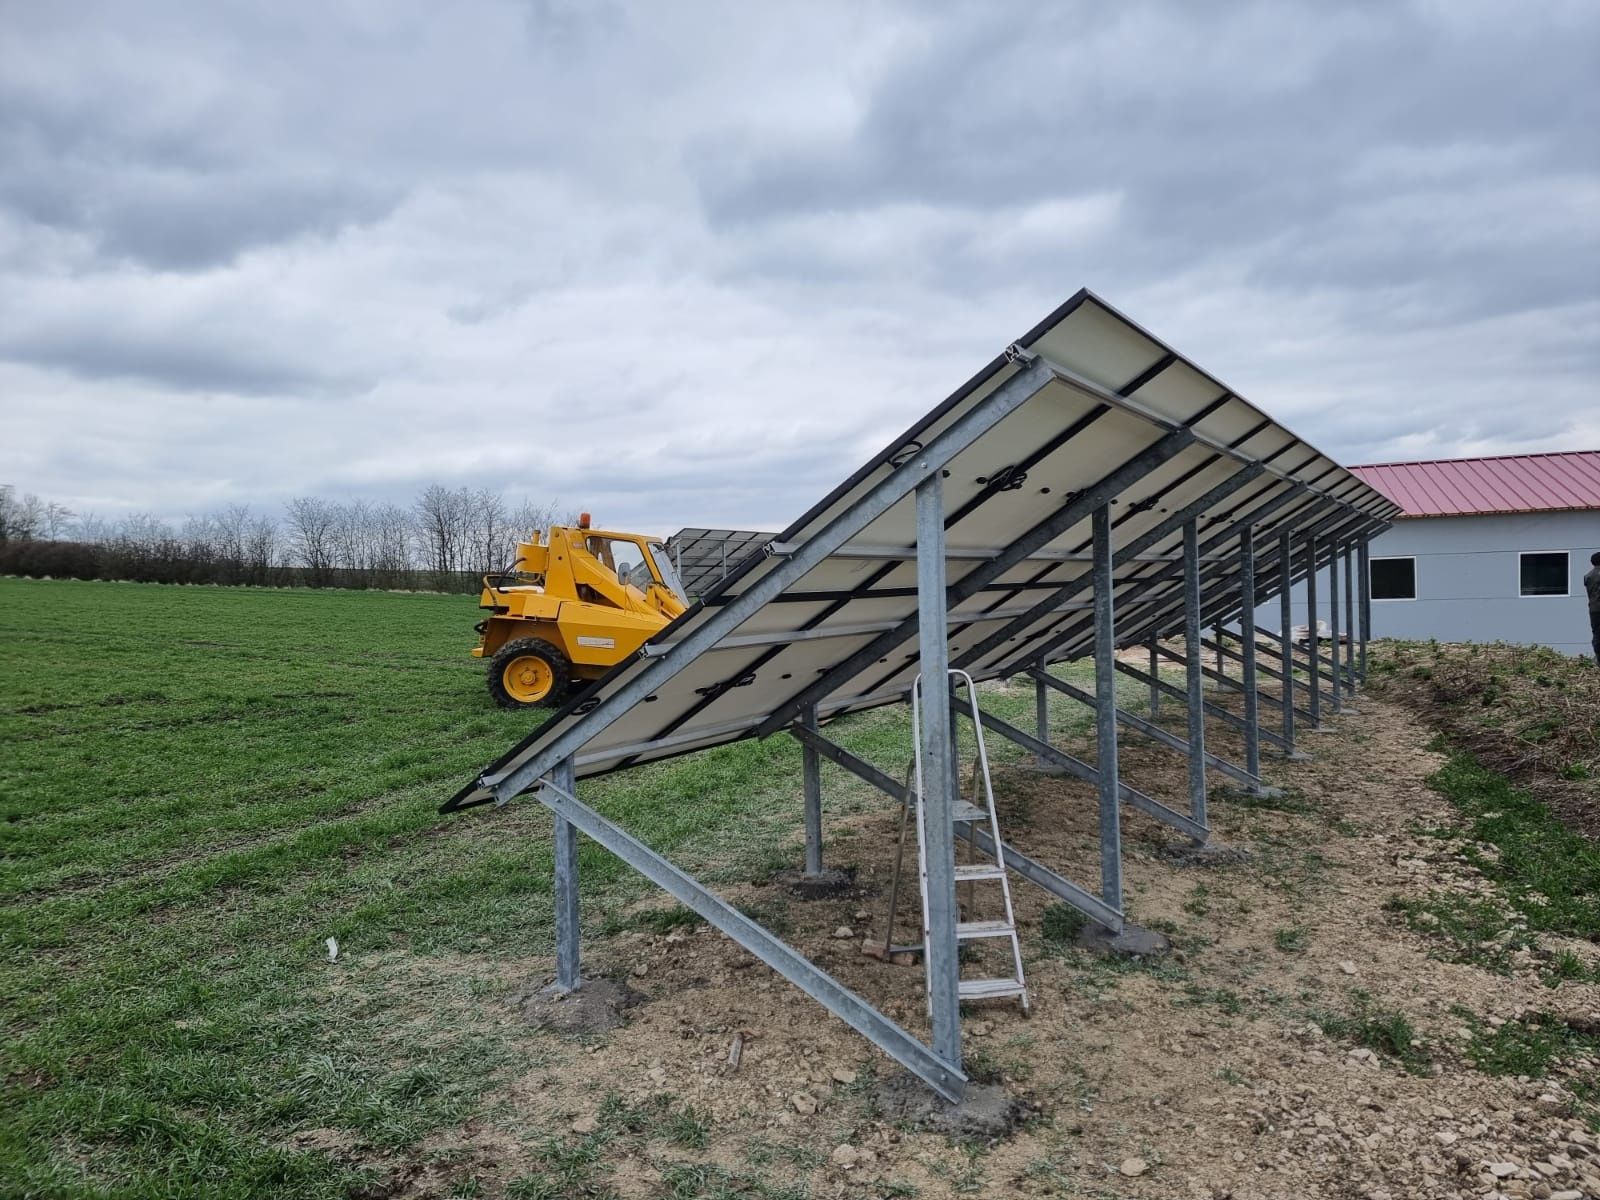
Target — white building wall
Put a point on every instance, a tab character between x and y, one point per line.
1468	581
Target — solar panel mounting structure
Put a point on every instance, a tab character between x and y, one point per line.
703	557
1090	490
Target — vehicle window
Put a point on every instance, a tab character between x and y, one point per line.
623	558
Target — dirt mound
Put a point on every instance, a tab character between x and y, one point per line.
1528	712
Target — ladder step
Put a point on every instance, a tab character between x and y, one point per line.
982	929
964	811
990	989
966	872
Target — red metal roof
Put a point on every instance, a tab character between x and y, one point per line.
1509	483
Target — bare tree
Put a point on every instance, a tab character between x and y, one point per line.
391	545
260	550
57	521
443	526
490	530
311	523
22	517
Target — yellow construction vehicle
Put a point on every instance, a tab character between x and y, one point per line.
571	607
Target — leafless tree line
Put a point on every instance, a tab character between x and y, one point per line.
445	540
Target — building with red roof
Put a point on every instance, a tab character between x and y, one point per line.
1487	549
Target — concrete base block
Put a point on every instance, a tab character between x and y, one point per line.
1205	854
594	1006
986	1113
1135	941
827	883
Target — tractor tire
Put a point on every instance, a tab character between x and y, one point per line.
528	673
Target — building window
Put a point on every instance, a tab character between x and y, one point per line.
1393	578
1544	573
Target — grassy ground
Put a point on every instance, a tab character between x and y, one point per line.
1525	712
201	785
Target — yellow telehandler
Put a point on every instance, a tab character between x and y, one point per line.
570	608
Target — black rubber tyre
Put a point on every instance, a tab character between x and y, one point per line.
528	673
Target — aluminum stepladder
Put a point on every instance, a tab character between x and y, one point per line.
964	812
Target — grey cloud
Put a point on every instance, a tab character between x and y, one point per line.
714	248
170	360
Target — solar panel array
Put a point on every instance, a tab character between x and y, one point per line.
1106	411
704	557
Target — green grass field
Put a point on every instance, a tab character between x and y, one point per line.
200	785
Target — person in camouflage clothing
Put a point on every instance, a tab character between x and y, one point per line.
1591	584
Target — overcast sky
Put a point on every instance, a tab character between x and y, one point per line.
692	263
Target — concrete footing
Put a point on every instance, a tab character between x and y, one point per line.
987	1112
1135	941
1205	854
594	1006
826	883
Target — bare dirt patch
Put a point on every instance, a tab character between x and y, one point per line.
1529	712
1300	1041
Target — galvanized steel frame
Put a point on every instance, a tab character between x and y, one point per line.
1225	563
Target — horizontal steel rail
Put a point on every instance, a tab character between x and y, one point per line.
1151	730
1146	804
1211	710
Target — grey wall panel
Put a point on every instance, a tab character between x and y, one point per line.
1468	581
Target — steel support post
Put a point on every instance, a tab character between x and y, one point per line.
1193	672
1334	628
568	979
1247	639
1105	711
1350	621
1364	566
811	767
1041	710
938	776
1313	666
1286	643
1155	673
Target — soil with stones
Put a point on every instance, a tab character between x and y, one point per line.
1206	1073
